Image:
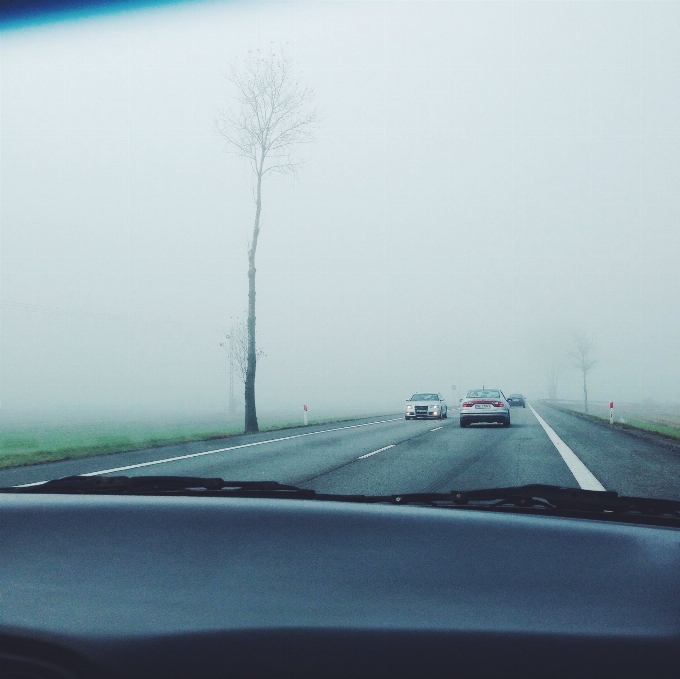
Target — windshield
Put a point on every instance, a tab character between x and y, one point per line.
236	235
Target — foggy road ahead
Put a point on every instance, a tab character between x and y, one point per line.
391	455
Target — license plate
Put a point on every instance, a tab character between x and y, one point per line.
482	405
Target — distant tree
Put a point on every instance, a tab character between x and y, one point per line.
273	118
583	360
552	374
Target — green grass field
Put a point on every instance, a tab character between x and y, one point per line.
664	430
24	443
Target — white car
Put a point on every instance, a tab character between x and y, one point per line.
426	405
484	405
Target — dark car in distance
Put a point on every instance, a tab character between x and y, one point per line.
516	401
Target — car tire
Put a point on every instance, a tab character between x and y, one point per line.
506	423
464	423
406	417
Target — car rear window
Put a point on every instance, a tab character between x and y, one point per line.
484	393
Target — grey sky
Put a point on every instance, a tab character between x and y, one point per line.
489	179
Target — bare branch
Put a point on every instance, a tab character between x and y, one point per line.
273	117
240	336
581	355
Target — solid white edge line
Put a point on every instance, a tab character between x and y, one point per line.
220	450
584	477
375	452
437	428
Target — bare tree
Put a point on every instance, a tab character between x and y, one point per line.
582	358
552	374
273	118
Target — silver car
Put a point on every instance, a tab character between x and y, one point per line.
426	405
484	405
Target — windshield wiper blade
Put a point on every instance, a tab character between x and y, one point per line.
553	499
565	498
140	485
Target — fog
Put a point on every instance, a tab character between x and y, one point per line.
489	180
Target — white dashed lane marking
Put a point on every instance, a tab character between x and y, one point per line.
375	452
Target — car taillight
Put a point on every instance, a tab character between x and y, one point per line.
497	404
468	404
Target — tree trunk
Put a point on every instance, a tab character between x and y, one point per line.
585	395
251	425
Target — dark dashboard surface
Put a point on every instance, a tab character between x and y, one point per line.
209	587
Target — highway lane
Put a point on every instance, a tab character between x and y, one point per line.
391	455
476	457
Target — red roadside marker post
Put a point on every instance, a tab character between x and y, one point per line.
611	412
304	414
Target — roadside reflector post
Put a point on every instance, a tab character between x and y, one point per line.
611	412
304	414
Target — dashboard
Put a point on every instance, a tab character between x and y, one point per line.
191	587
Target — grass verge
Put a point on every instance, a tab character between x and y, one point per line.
668	432
28	445
631	426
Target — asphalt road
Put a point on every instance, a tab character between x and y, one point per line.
391	455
